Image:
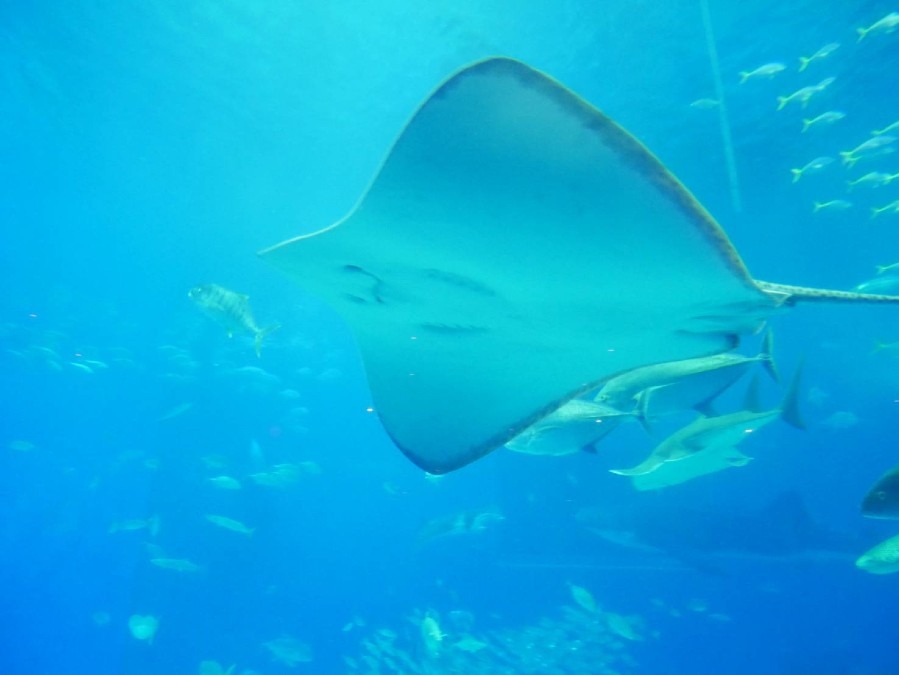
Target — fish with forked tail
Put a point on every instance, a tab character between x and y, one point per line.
230	309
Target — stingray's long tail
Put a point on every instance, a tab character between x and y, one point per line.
790	295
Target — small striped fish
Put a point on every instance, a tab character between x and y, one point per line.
230	309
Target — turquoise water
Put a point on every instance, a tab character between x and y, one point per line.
150	148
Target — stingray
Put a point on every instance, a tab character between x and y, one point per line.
517	248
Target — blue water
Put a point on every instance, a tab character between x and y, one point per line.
149	147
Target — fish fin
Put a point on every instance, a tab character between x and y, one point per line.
781	102
806	123
752	400
263	333
803	64
641	412
767	357
797	174
643	468
706	407
862	32
789	409
848	158
880	345
590	448
744	75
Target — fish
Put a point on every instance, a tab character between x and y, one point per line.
464	522
150	524
722	431
873	147
823	53
288	651
225	482
177	411
880	284
887	24
285	474
826	118
143	627
894	126
469	335
583	598
230	524
690	383
805	94
176	564
832	205
892	207
432	635
815	165
215	668
882	500
768	70
231	310
575	426
705	103
873	179
883	269
707	461
881	559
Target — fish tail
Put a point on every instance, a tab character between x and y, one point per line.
881	268
862	32
641	412
803	63
789	409
848	158
874	212
818	207
782	101
806	123
263	333
767	356
797	174
744	75
880	345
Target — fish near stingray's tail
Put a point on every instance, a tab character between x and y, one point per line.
263	333
785	295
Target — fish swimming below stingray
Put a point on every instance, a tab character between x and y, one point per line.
516	249
231	310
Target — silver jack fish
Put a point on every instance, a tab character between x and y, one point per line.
230	309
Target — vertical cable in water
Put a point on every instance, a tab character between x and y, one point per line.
726	138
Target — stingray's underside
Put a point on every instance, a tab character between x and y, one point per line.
517	248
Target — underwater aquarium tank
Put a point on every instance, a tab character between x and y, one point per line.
449	337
